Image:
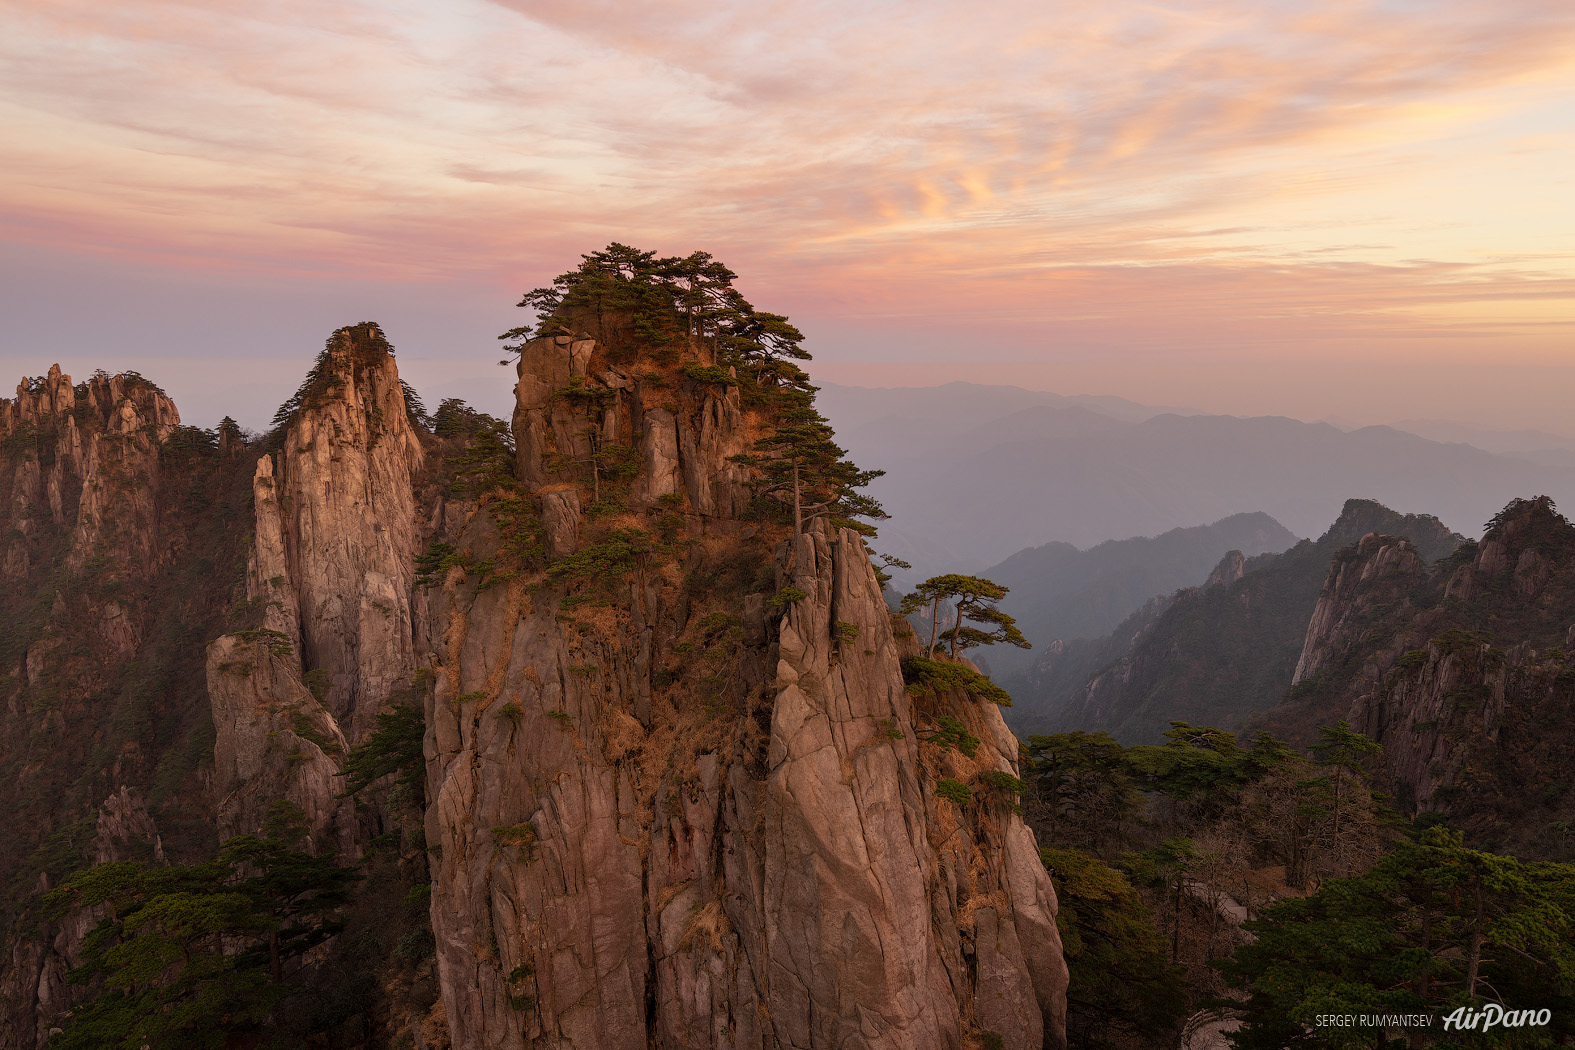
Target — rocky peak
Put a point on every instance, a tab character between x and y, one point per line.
1379	568
331	573
336	535
1456	668
37	401
1231	568
87	454
573	402
1528	541
1431	537
680	793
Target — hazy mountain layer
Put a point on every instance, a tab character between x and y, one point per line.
977	474
1059	592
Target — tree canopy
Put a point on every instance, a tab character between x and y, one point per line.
1121	981
802	468
975	599
185	956
1431	926
635	297
634	300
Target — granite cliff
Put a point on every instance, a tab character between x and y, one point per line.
680	793
1460	669
677	790
116	522
1225	653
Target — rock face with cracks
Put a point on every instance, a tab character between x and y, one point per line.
1459	669
336	528
275	742
637	845
678	792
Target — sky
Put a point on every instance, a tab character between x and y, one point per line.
1358	210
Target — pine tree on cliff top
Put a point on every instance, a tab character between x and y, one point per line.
805	470
637	302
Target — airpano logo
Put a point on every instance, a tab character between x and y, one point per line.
1463	1019
1466	1019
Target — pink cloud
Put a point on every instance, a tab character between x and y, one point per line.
1105	171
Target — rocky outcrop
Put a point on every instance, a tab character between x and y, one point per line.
678	791
86	459
274	743
1387	563
346	513
83	523
1231	568
331	570
125	830
118	544
1225	654
117	519
1459	670
268	570
670	814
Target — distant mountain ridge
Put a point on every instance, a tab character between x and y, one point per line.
1061	593
974	473
1223	654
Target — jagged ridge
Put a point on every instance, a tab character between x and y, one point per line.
1462	670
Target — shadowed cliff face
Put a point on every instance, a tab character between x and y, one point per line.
117	527
1224	654
1461	669
686	803
132	549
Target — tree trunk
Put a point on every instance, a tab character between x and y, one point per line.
1339	864
1424	984
1214	922
957	629
935	623
1175	929
1474	965
798	507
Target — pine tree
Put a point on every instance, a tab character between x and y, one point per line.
633	298
804	469
187	956
1431	927
1344	750
976	600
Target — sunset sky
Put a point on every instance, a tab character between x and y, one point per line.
1342	209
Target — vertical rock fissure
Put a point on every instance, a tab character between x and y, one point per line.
724	848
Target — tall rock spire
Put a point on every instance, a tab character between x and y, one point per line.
679	793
